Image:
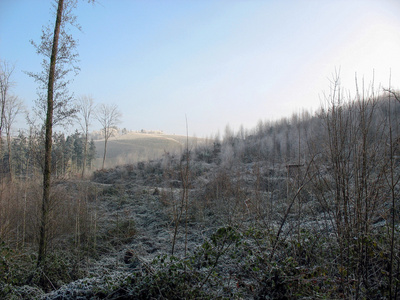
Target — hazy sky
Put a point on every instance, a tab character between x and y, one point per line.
217	62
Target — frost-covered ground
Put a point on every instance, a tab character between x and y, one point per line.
242	231
150	211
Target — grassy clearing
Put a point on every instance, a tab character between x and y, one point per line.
134	147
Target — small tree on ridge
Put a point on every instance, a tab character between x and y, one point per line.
108	116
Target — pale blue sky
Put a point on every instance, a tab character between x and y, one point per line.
218	62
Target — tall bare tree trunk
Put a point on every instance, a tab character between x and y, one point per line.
48	142
85	110
85	151
9	155
105	152
6	71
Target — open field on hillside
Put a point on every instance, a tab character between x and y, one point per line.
134	147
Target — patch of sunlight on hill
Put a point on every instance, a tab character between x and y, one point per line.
133	147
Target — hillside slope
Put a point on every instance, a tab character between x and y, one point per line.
133	147
283	212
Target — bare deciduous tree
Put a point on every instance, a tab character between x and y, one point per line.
13	107
54	104
49	134
6	71
59	62
86	109
108	116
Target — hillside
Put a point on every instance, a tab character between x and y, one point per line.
134	147
300	208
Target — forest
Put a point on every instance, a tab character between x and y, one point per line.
305	207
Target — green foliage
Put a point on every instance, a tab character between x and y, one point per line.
15	273
61	268
111	191
123	232
8	272
197	276
232	265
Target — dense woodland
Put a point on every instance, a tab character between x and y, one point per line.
303	207
24	158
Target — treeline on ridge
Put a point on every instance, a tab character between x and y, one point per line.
24	157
